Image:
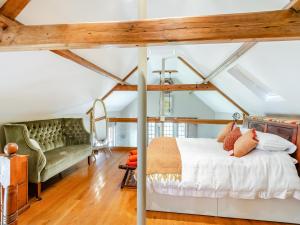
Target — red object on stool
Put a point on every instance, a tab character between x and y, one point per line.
132	158
130	166
133	152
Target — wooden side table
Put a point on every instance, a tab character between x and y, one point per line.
14	185
22	183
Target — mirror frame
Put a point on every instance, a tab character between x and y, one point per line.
94	118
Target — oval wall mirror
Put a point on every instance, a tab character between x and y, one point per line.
100	124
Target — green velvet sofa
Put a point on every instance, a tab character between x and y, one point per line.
52	145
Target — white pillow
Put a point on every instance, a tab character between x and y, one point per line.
272	142
35	143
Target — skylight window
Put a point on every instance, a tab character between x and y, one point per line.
254	85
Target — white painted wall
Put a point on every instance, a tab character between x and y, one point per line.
185	105
212	129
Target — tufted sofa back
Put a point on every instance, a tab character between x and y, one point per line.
74	132
48	133
56	133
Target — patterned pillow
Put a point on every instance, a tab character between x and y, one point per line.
231	138
225	131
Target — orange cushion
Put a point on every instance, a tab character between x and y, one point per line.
132	158
245	144
131	164
231	138
225	131
133	152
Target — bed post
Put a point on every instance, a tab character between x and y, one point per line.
142	125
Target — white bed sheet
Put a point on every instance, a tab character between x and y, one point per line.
208	171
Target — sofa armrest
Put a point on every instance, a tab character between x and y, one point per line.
18	133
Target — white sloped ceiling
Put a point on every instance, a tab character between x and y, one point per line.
178	8
41	84
276	65
77	11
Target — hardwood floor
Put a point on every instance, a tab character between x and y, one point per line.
91	195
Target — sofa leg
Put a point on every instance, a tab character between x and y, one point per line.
89	160
38	190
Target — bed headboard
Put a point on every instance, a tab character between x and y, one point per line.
288	129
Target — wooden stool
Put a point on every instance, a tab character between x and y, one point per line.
128	179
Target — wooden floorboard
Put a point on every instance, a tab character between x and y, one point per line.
91	195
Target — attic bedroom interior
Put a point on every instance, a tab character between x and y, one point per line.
149	112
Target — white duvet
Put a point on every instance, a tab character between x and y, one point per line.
208	171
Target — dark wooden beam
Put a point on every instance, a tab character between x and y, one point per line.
69	55
111	90
171	87
123	148
255	26
124	80
12	8
87	64
173	119
191	67
100	118
232	101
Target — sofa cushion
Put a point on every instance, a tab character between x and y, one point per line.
63	158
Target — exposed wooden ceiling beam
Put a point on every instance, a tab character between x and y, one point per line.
243	49
171	119
191	67
12	8
71	56
217	89
111	90
170	87
255	26
83	62
232	101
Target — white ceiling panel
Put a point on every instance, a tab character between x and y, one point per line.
118	100
77	11
42	83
